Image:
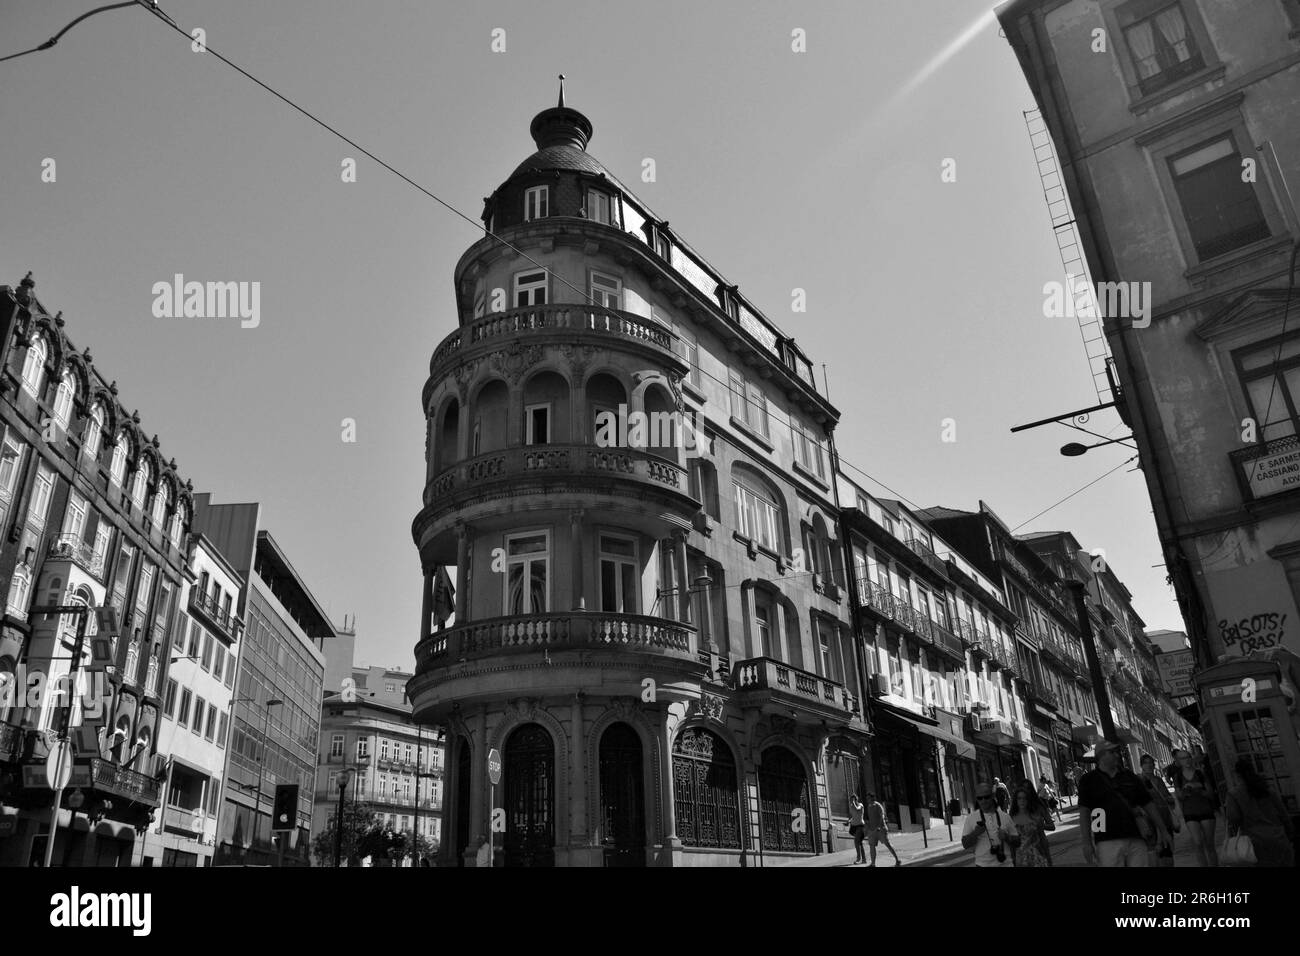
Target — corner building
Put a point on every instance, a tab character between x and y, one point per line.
655	637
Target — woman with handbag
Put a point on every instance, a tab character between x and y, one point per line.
1196	803
1259	818
1032	820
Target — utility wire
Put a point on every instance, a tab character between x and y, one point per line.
585	294
58	36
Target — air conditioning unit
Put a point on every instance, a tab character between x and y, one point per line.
975	722
880	684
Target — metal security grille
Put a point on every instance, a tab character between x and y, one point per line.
622	797
530	797
783	787
704	786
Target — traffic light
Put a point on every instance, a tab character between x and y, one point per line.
285	814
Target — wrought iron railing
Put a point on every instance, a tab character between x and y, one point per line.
536	632
766	673
124	782
876	597
11	740
207	604
946	640
70	547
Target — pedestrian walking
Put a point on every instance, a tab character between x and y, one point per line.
989	832
1254	809
878	829
1197	802
1047	794
1164	805
857	828
1033	821
1001	794
1115	811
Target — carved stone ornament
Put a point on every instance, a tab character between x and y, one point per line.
513	361
465	373
578	357
711	706
783	725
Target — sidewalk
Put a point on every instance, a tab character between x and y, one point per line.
1067	850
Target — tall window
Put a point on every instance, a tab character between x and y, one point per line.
536	203
34	366
808	450
763	625
1221	210
537	421
74	519
11	456
143	586
530	289
619	580
199	705
122	577
183	715
606	291
336	745
600	207
117	467
748	403
689	348
757	514
94	433
383	749
169	701
1163	48
140	485
20	589
363	748
527	578
826	639
159	510
63	397
1273	386
222	726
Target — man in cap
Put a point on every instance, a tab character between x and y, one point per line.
989	831
1114	811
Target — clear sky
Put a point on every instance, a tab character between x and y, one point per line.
817	170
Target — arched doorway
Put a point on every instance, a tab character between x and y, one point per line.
622	797
705	793
530	797
462	807
783	789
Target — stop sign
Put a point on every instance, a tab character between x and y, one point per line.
494	766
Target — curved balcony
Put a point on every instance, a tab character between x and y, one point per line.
540	324
579	630
774	682
583	465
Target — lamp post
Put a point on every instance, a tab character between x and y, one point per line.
344	779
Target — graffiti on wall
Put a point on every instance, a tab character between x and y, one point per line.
1256	632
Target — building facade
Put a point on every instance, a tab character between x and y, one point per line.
93	515
396	767
196	710
275	707
1175	126
650	623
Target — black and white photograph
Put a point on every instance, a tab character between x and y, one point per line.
842	434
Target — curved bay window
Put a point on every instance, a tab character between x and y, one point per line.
783	788
705	792
530	797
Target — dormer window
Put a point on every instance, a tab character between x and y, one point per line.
537	203
600	207
67	391
34	366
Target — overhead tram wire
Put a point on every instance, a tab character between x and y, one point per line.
585	295
58	36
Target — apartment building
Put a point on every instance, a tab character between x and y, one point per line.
93	514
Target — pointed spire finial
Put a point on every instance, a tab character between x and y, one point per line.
561	90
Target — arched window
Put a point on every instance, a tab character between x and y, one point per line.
530	797
177	526
94	434
132	661
140	485
34	366
760	513
705	792
63	397
160	501
783	787
151	680
117	469
20	589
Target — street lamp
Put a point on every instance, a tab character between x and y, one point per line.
345	778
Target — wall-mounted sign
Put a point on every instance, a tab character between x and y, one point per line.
1176	672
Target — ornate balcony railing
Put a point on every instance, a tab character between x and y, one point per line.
765	673
1030	638
69	547
206	604
1042	692
927	555
946	641
875	597
905	615
532	320
536	632
124	782
527	461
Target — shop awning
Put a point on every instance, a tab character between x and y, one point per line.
964	748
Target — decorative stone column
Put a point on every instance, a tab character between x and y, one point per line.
579	838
